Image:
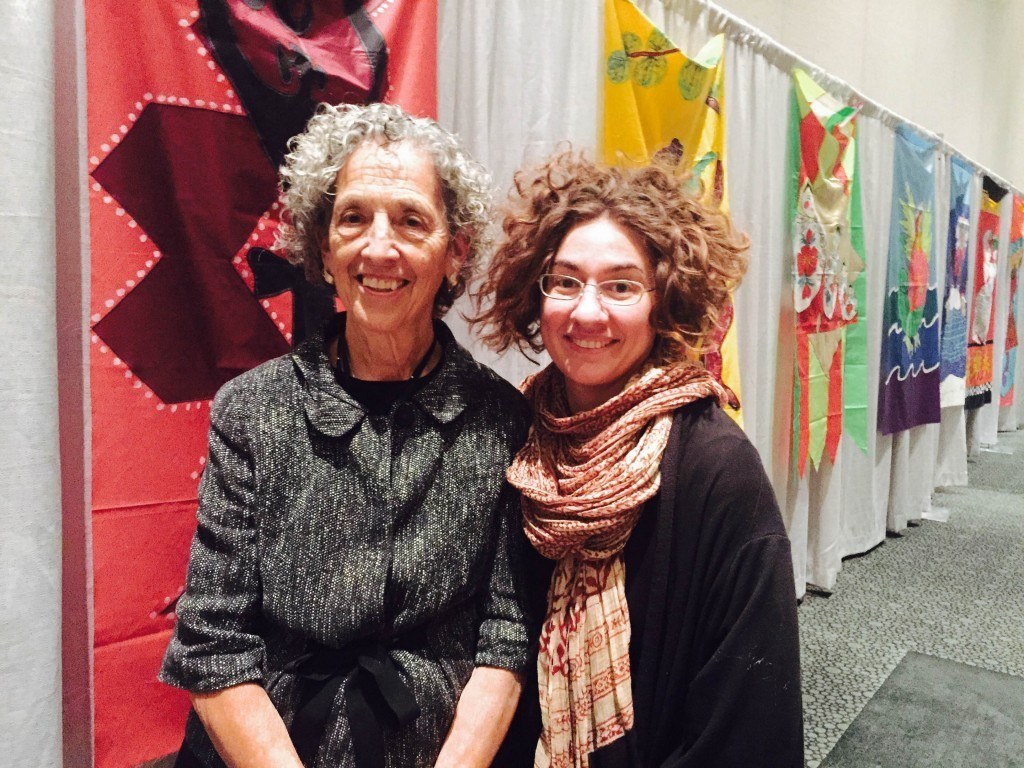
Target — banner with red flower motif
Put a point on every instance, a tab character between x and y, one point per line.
190	106
981	327
830	392
1016	251
908	390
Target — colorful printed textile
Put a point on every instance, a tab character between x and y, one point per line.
908	392
981	326
658	103
953	368
1016	252
828	275
190	103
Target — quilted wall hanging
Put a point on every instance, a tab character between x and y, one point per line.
981	324
661	104
908	391
953	367
830	390
190	105
1016	251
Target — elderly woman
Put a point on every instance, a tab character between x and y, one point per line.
671	635
353	593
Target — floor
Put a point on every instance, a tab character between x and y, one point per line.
950	589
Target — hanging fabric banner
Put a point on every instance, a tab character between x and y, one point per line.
190	105
981	326
908	391
830	392
1013	313
660	104
953	368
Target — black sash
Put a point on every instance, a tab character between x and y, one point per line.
376	697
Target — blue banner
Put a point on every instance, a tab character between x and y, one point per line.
908	392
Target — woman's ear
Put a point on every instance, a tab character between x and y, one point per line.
458	252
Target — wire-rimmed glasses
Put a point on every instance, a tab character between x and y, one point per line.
615	293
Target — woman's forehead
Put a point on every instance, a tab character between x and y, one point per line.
602	245
400	166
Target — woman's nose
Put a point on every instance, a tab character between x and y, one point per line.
588	305
380	237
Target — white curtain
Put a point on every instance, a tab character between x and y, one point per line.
30	528
515	81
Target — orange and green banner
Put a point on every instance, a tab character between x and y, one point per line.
830	388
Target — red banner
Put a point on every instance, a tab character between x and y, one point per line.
190	105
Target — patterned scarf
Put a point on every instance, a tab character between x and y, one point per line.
584	480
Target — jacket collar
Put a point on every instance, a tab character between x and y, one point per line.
333	412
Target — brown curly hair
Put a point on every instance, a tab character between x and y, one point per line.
696	255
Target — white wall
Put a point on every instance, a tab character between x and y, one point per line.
954	67
30	546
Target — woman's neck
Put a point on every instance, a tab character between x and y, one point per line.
376	356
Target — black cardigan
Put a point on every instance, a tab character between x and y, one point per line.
714	649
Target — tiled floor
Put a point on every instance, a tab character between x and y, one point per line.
953	589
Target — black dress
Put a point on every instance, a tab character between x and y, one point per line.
373	545
714	649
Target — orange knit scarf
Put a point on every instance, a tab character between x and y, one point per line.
584	480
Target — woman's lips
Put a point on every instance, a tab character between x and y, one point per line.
381	284
590	344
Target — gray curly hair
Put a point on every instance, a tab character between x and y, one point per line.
332	135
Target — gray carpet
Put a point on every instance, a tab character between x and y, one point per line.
937	713
952	590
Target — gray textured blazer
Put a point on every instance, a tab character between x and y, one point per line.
319	524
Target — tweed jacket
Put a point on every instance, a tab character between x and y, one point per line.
319	522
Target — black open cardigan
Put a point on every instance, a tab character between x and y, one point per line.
714	650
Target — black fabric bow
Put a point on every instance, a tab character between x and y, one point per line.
376	697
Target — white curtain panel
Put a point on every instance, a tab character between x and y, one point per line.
517	81
30	548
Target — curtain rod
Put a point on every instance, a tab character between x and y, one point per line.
721	20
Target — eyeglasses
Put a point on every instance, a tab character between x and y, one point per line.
614	293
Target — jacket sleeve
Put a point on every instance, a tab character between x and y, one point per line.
506	628
743	707
216	643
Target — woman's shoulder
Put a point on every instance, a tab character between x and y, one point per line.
717	466
483	386
266	384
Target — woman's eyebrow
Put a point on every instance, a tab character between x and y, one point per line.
612	268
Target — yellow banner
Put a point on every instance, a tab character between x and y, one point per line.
659	103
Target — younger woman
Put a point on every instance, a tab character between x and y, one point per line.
670	636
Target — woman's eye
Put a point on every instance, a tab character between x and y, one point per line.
414	222
565	283
621	287
350	218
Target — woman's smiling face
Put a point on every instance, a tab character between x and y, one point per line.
387	247
597	347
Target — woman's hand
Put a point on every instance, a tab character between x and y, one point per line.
482	717
246	728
